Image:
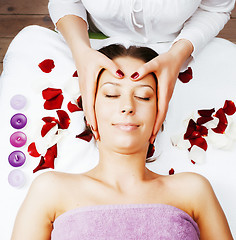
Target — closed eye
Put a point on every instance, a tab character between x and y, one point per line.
143	98
111	96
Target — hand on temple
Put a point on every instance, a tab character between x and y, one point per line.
166	67
89	65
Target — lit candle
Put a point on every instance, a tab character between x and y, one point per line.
18	121
16	178
18	102
16	158
18	139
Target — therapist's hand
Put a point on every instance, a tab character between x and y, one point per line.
89	67
166	67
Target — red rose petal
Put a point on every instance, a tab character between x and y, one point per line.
47	127
54	103
190	129
85	135
75	74
186	76
72	107
64	119
48	160
32	150
222	122
49	119
229	107
206	112
193	162
79	101
50	93
151	150
202	130
203	120
47	65
171	171
200	142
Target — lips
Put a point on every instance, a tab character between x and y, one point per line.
126	126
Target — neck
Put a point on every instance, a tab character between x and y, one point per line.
121	171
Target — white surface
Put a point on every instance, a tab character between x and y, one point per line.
214	81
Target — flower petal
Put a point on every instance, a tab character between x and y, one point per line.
171	171
85	135
75	74
73	107
47	65
180	142
203	120
54	103
222	122
47	127
190	129
79	101
186	76
48	160
32	150
202	130
200	142
49	119
151	150
206	112
64	119
50	93
229	107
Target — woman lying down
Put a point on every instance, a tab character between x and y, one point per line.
120	198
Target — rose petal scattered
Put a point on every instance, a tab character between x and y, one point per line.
206	112
171	171
73	107
54	103
64	119
203	120
151	150
48	160
222	122
75	74
85	135
79	101
200	142
50	93
186	76
47	127
229	107
47	65
32	150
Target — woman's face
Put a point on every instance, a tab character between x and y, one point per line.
125	109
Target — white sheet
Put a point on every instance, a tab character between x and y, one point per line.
214	82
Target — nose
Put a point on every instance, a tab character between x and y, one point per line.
127	106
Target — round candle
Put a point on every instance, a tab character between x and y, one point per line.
16	178
18	102
16	158
18	139
18	121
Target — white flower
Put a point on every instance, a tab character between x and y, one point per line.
72	87
179	141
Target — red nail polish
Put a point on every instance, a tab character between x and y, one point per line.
119	73
135	75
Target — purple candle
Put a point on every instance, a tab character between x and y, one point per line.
18	121
16	178
16	158
18	139
18	102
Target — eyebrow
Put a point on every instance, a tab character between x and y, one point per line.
117	84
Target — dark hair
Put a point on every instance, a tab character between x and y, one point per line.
143	53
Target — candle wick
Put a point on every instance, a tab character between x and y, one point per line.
16	157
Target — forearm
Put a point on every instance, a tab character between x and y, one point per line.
181	51
74	30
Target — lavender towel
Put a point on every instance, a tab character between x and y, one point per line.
124	222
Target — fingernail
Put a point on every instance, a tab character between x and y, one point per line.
119	73
135	75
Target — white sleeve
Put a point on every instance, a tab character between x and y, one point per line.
206	22
60	8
